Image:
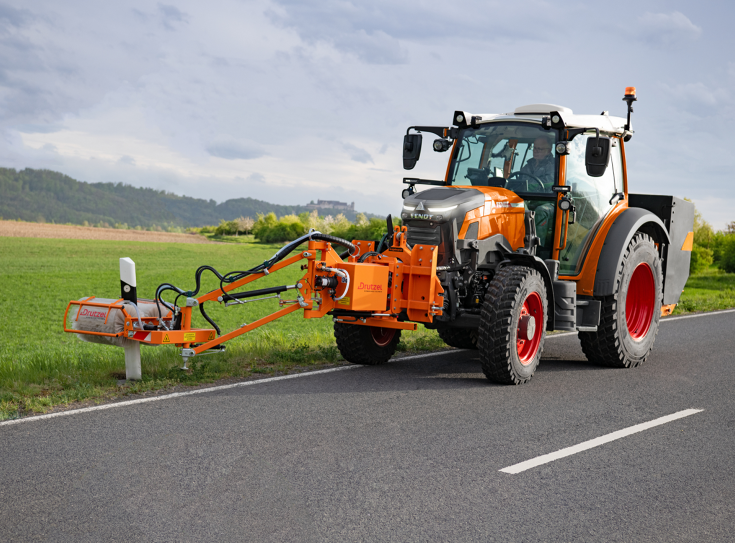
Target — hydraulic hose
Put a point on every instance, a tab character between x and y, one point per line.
368	254
210	321
233	276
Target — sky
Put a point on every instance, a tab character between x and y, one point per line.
290	101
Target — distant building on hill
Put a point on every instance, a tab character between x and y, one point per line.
331	204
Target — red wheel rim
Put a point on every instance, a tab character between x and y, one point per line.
528	348
382	336
640	301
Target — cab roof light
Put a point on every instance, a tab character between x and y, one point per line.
629	98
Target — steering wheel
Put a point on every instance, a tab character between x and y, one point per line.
533	178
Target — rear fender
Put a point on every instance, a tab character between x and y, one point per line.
630	221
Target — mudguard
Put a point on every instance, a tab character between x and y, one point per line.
534	262
630	221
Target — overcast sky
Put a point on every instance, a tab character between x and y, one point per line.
289	101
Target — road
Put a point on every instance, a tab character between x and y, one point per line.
408	451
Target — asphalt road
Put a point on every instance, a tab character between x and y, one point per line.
409	451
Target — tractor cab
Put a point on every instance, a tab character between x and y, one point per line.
521	155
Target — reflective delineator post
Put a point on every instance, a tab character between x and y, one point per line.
129	293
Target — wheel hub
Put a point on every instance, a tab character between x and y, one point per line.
528	335
527	327
382	336
640	301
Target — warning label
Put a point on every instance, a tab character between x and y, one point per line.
166	338
211	336
190	336
344	301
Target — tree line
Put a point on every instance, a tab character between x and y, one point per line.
48	196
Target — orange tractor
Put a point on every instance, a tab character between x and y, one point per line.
531	230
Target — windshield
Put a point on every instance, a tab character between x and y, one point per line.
516	156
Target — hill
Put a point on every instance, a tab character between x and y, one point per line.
48	196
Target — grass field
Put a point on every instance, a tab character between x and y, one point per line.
41	366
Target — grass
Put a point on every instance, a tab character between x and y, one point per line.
709	290
42	367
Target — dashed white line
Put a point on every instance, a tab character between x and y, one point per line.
586	445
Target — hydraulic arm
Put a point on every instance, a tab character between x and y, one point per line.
363	287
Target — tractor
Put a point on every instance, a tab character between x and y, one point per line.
531	230
537	231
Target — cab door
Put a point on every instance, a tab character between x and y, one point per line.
592	197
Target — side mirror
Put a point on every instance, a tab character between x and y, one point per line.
597	156
411	150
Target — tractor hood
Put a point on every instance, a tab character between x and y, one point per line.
440	205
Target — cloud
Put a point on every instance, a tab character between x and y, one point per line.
127	160
357	154
255	178
231	149
170	16
697	94
666	30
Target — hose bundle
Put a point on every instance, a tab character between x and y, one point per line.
233	276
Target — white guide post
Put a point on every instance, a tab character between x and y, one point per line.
128	286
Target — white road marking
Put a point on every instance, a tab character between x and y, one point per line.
203	390
546	458
669	319
270	380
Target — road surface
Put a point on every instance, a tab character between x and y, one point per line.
408	451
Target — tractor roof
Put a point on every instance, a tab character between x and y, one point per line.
534	113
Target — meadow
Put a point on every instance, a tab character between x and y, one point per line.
42	367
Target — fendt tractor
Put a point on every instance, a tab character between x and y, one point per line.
531	230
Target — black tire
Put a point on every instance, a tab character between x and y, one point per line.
614	344
367	345
461	338
506	358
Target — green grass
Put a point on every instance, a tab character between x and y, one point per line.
709	290
41	366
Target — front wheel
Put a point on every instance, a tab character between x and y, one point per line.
368	345
513	325
629	318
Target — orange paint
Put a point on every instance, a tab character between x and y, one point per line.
586	279
688	242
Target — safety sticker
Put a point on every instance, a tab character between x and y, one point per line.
166	338
344	301
211	336
190	336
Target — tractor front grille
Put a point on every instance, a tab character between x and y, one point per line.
427	236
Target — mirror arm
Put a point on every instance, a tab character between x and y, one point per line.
440	131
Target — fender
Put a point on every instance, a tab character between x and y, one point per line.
630	221
534	262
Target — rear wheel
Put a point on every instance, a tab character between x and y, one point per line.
367	345
461	338
629	318
513	325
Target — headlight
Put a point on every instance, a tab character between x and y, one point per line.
408	208
440	209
